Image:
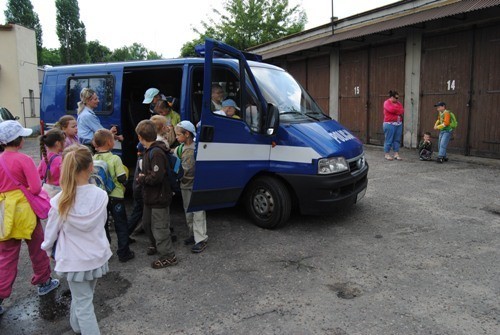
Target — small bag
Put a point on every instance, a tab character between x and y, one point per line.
40	203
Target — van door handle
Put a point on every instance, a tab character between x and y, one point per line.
207	133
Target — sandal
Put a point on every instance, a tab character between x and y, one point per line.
388	157
398	158
151	251
163	263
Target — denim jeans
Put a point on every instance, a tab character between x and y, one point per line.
117	208
444	139
392	137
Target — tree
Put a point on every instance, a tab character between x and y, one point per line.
21	12
136	51
247	23
98	53
50	57
71	32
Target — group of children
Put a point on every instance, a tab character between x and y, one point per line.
76	233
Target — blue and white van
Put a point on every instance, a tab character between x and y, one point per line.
282	153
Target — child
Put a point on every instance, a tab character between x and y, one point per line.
24	224
68	125
49	168
161	129
75	236
443	125
164	108
196	221
229	108
103	141
425	147
157	194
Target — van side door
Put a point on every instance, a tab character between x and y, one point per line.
230	150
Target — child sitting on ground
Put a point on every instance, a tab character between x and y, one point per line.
103	142
425	148
157	194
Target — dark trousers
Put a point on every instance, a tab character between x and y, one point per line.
136	215
117	208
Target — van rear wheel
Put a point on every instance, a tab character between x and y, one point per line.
268	202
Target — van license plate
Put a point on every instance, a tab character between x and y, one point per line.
360	195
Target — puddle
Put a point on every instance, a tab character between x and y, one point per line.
50	312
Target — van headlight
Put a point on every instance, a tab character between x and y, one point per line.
332	165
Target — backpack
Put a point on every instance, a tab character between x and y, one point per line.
175	171
453	121
101	177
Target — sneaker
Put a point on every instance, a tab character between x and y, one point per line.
440	160
189	240
128	257
199	247
445	159
48	287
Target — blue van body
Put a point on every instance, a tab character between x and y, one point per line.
281	153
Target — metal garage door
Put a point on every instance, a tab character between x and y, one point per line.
387	72
445	76
484	136
353	92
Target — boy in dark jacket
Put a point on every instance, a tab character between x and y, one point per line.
425	148
157	193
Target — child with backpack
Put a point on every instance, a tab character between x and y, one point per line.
445	123
196	221
157	194
49	169
425	147
75	236
103	142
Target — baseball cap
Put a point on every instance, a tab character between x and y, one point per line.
187	125
440	104
150	94
10	130
229	103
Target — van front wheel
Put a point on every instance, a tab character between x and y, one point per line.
268	202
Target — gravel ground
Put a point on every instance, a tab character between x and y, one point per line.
418	255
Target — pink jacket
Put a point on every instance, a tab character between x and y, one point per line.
23	168
393	111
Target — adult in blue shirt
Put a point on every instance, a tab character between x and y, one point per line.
88	122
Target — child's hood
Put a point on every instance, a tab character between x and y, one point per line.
90	204
159	144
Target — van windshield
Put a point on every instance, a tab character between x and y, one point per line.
282	90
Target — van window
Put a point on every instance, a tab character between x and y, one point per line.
104	87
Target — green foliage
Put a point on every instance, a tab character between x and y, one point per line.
71	32
98	53
154	55
136	51
21	12
246	23
50	57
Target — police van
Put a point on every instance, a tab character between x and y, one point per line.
282	153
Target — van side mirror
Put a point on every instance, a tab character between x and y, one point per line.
273	120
